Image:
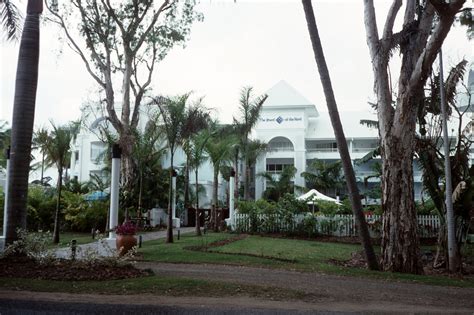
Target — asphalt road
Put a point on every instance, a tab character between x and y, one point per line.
23	307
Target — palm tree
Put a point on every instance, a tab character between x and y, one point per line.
250	108
22	122
58	152
340	137
178	122
10	17
146	151
323	176
219	149
40	141
196	148
278	185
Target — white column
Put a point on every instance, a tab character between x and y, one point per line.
176	221
5	216
173	199
260	166
114	189
231	195
300	164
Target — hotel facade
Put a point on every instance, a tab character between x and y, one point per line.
296	132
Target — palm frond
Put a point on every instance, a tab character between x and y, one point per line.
370	123
369	156
455	76
10	18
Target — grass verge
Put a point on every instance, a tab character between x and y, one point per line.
169	286
289	254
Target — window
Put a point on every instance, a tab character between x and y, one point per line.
276	168
321	146
280	144
97	150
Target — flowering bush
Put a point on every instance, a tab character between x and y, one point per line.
128	228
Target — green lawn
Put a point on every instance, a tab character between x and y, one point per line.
66	238
290	254
171	286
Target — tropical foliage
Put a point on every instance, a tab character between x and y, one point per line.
277	185
323	176
219	149
431	159
180	120
250	108
10	18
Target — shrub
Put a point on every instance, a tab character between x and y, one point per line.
41	207
81	215
32	245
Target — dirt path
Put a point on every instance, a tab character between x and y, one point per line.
26	302
356	293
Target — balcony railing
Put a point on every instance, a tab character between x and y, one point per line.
321	149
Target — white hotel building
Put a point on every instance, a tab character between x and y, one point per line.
296	133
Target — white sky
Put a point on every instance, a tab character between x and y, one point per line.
255	43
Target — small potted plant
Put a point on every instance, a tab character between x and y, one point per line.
125	237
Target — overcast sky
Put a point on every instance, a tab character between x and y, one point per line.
255	43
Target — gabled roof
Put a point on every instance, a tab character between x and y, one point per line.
284	95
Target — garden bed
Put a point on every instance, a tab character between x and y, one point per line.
62	269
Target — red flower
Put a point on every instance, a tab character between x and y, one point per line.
128	228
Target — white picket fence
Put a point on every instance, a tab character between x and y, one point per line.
338	225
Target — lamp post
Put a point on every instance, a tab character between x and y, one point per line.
174	174
5	216
231	196
114	189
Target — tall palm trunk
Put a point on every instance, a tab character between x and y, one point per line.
198	221
169	228
340	137
58	207
246	178
23	119
42	169
236	178
186	184
140	196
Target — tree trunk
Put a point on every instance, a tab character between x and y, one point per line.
246	180
400	244
42	169
22	122
441	256
198	221
186	184
236	179
140	197
340	137
58	207
169	228
127	170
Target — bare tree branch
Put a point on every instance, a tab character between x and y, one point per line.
409	12
76	49
427	57
370	22
391	16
